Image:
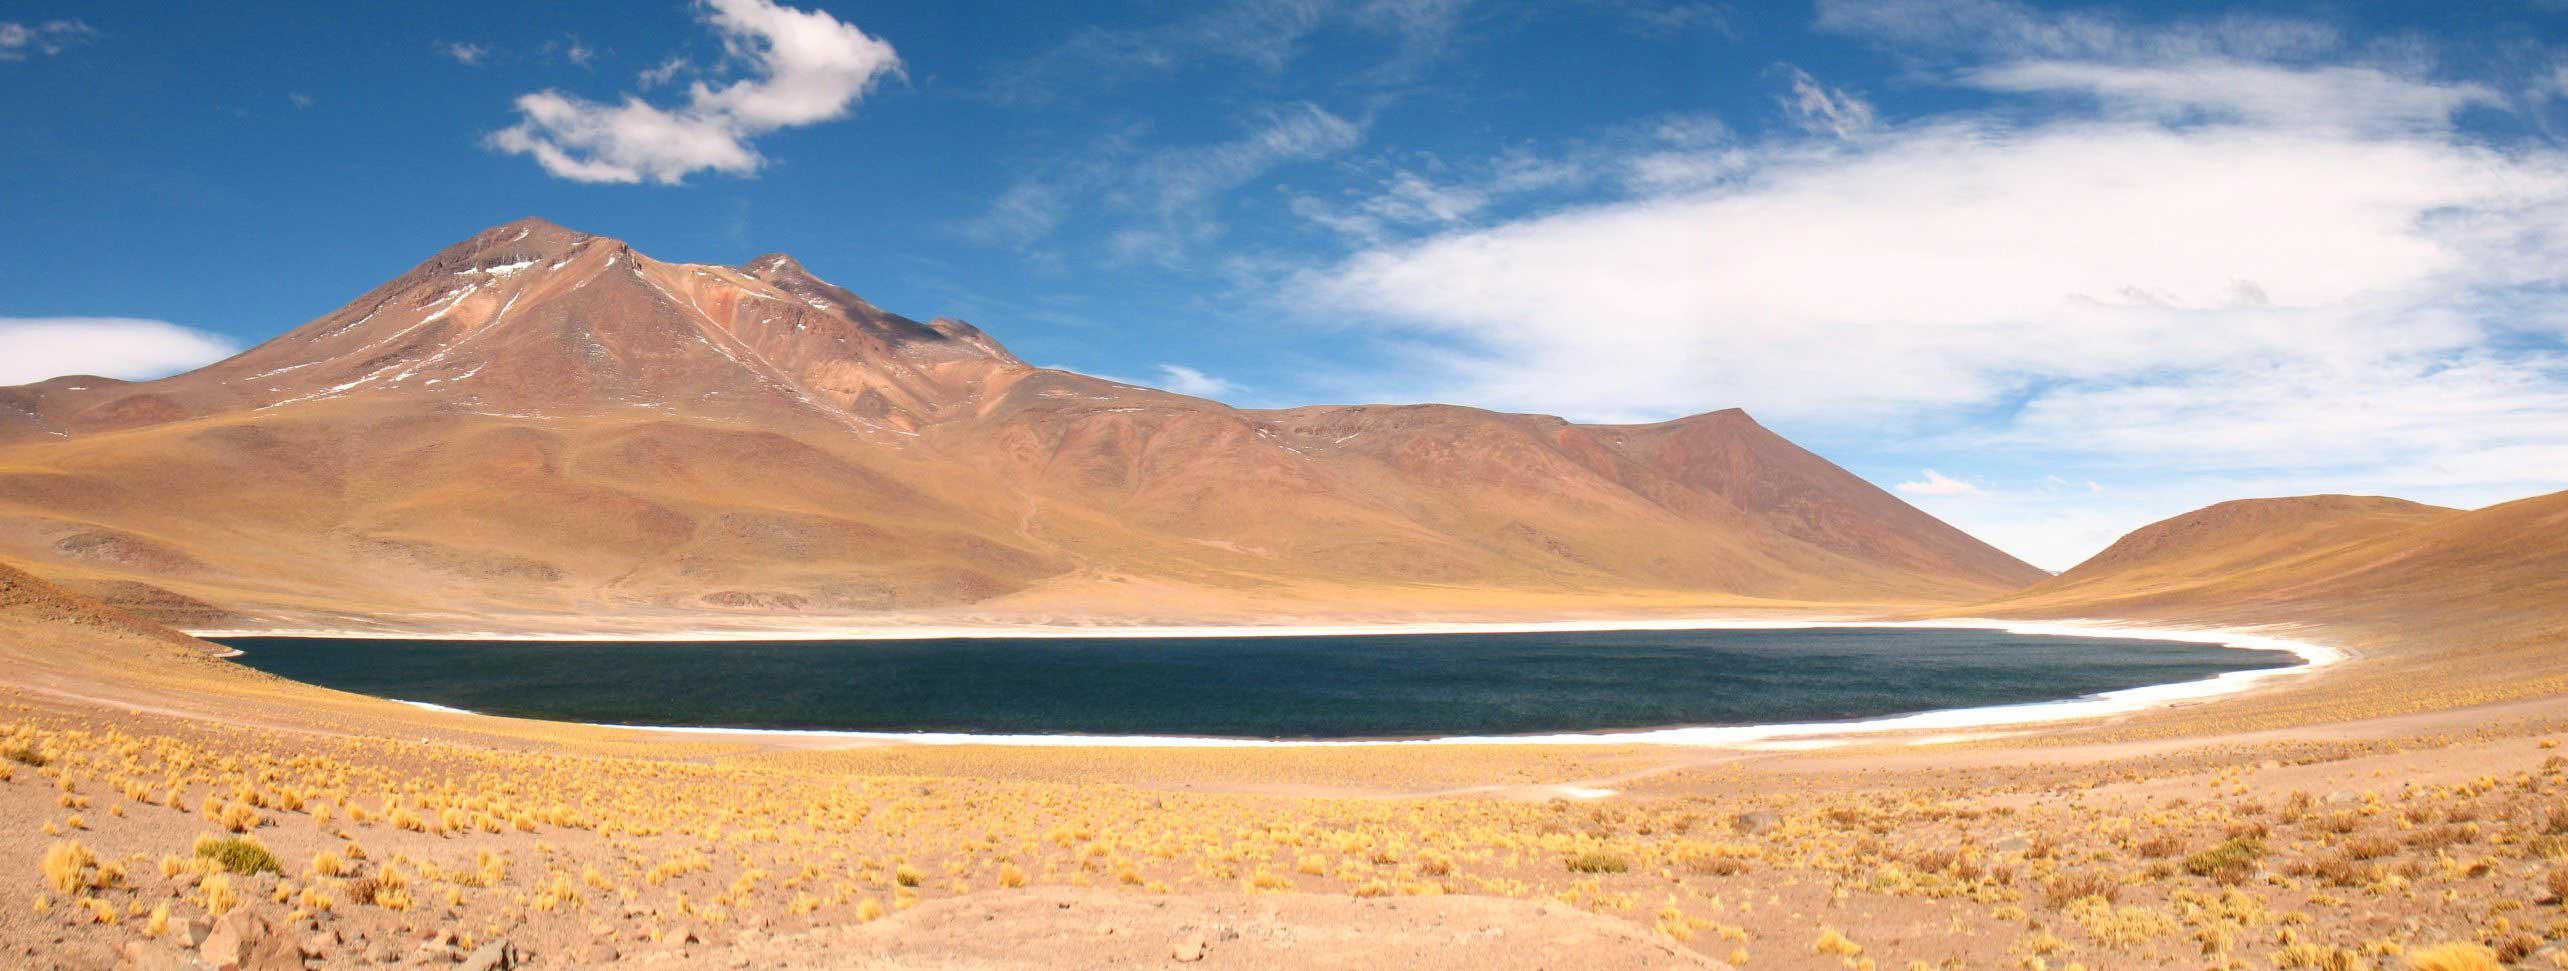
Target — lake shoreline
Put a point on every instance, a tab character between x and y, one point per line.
1935	725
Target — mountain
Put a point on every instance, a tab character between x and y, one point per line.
538	422
2350	562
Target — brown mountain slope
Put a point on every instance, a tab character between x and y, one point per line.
538	422
2246	548
2442	607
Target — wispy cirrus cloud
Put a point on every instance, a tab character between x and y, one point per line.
805	67
20	41
1823	110
1933	483
1158	201
1190	381
1263	35
128	348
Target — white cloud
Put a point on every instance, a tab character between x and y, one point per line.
20	40
1407	200
299	99
1165	196
469	55
665	72
44	39
2003	29
1189	381
115	347
1823	110
2313	281
1938	484
1267	35
2264	94
807	67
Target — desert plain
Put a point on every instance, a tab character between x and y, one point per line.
542	432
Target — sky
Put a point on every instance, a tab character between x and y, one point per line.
2048	272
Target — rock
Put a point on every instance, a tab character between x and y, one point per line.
320	945
1756	822
1188	951
245	940
599	952
275	951
494	956
2017	843
2343	796
192	934
227	947
385	952
142	956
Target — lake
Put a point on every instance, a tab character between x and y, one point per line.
1266	687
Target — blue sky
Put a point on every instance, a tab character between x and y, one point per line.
2050	272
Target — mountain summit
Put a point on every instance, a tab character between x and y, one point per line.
532	317
538	422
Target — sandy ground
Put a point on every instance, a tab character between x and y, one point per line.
407	836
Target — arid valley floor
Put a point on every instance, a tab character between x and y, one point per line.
2408	807
540	430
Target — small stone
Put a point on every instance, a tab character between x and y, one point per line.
227	948
1188	951
142	956
1756	822
2342	796
599	952
493	956
192	934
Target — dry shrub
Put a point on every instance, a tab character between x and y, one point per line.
2347	872
2369	848
1833	943
2457	956
2228	864
241	854
1598	861
2068	888
70	868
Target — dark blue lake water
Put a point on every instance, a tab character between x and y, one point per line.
1378	686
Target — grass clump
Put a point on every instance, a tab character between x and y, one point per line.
243	855
2459	956
1598	861
2230	863
70	868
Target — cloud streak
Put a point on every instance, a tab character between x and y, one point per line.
1162	201
805	68
20	41
1938	484
1189	381
126	348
